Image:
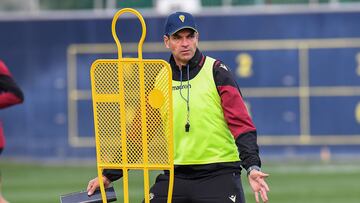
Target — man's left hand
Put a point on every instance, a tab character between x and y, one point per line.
258	185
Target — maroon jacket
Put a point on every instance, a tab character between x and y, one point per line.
10	94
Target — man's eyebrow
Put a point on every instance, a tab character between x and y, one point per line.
188	35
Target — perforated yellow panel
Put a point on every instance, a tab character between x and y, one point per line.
132	112
132	106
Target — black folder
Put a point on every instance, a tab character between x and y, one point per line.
82	196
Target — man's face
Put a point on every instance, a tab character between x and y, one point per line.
182	45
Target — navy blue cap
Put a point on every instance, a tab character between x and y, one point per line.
178	21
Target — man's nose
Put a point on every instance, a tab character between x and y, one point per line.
184	42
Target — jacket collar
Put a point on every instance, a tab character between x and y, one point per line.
196	61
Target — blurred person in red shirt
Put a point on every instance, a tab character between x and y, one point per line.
10	94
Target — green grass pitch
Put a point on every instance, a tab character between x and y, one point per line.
290	182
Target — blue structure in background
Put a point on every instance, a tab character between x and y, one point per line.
37	51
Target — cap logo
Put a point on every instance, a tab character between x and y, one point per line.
182	18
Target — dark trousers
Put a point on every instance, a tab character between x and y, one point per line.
221	188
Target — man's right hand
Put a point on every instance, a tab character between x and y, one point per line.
95	184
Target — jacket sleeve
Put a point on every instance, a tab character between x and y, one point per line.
10	92
237	116
113	174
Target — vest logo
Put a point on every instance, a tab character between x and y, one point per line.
181	87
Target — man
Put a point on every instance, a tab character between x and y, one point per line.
10	94
212	128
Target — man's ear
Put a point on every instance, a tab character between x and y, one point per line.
197	38
166	41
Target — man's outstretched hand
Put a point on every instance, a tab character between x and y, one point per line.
258	185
